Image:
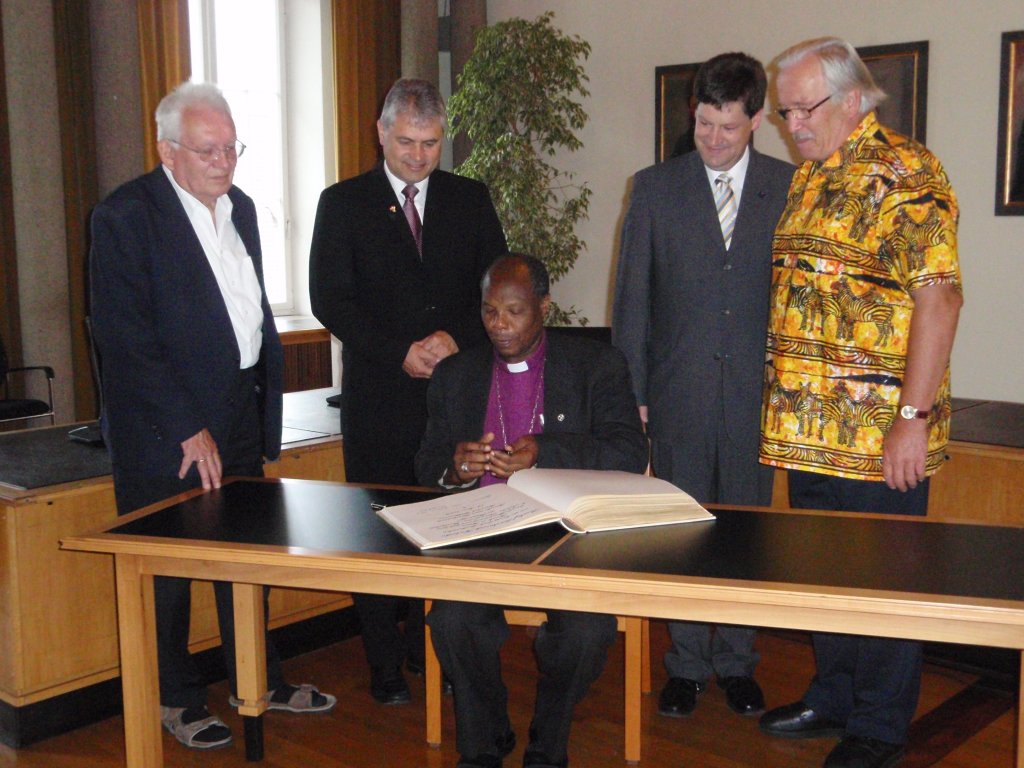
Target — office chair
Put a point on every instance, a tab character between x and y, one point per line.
14	409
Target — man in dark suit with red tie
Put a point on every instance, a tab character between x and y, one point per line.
395	268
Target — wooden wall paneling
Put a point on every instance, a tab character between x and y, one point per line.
307	360
365	65
165	57
78	153
981	483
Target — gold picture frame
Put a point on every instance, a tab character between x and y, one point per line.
673	110
1010	146
901	70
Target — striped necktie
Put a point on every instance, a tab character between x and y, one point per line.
725	203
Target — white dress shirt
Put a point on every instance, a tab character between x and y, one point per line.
232	267
420	201
737	174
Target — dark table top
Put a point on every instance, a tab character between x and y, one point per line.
888	554
872	553
37	458
320	517
989	422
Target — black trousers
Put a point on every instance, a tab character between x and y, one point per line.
374	460
571	649
181	684
713	468
869	683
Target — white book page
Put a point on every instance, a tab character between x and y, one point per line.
558	488
464	516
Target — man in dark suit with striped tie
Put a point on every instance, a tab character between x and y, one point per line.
691	309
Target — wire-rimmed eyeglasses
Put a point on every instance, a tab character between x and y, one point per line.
231	152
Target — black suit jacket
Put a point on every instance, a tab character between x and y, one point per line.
690	316
169	355
371	289
590	416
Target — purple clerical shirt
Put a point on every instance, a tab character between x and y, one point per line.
515	405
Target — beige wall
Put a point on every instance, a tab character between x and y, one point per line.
36	174
630	39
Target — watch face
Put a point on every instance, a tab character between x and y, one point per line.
908	411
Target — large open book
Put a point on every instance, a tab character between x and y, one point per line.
581	500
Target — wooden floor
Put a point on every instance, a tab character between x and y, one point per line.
959	724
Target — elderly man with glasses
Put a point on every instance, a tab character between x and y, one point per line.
192	366
866	297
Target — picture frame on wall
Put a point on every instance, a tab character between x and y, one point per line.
673	110
901	70
1010	146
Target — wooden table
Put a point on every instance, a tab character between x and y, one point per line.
868	574
51	488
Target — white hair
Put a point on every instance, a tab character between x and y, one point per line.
842	66
185	96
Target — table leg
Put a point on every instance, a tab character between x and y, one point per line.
251	664
432	681
633	683
136	620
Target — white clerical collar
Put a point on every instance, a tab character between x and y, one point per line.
520	367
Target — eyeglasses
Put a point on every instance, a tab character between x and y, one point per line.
211	154
799	113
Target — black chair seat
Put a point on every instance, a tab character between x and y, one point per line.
17	408
22	409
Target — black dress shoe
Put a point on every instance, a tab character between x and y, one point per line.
798	721
862	752
480	761
534	759
743	694
505	745
679	697
388	686
416	669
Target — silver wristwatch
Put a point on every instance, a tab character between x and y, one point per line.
910	412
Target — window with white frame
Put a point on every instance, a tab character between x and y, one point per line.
267	56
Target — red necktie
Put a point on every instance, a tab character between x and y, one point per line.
413	216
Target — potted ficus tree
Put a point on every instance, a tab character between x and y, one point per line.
516	102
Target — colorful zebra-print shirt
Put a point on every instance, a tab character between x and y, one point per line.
861	231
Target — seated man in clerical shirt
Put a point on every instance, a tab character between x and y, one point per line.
529	398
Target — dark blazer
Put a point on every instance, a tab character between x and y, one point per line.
169	355
590	417
690	316
370	288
